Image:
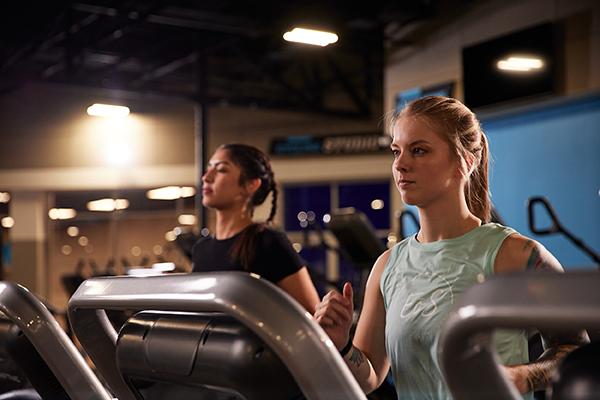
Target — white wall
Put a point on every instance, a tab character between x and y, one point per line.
438	60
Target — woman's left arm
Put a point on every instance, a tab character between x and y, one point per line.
519	253
300	286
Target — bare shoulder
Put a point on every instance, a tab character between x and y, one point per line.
380	263
520	253
377	270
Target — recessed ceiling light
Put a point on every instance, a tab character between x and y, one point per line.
520	64
8	222
186	219
310	36
107	205
107	110
170	192
62	213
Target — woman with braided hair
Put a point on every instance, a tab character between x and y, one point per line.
239	178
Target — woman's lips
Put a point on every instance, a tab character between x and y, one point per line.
403	183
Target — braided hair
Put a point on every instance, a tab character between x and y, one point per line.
253	164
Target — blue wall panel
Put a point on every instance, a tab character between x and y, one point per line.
553	151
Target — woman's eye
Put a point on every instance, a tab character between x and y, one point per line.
418	151
395	153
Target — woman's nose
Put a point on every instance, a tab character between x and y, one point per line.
401	162
207	177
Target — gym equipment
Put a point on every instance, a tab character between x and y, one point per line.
356	236
358	243
402	215
556	227
11	376
578	376
189	348
186	240
28	362
58	356
274	317
517	301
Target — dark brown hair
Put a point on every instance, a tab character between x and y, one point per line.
461	129
253	164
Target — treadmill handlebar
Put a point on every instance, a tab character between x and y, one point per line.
274	316
559	302
60	354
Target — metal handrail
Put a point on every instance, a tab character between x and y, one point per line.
518	301
274	316
60	354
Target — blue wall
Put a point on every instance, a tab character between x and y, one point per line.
552	151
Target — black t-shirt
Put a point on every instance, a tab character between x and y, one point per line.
274	257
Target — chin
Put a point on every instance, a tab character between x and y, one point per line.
408	199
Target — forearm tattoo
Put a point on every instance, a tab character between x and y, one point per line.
540	372
557	346
356	357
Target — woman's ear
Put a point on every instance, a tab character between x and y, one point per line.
252	186
466	166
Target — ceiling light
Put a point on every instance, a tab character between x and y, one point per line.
310	36
377	204
66	249
164	193
107	111
108	204
170	192
520	64
7	222
62	213
188	191
187	219
73	231
170	236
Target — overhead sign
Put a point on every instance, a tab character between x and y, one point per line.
330	145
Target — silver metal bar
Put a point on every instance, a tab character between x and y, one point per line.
559	302
275	317
54	346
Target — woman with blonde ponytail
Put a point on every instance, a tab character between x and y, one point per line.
439	165
239	178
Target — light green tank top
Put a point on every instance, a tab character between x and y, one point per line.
420	284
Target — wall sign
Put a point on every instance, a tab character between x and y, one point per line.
330	145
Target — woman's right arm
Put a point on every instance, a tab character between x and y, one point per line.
367	357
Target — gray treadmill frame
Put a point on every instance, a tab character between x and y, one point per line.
274	316
527	300
52	343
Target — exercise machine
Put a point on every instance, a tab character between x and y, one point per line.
37	343
197	317
556	227
518	301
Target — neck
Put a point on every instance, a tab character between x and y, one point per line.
446	219
231	222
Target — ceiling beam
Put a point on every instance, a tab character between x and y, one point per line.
362	104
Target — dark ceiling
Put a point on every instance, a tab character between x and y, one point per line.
217	52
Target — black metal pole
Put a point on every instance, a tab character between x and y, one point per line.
200	134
